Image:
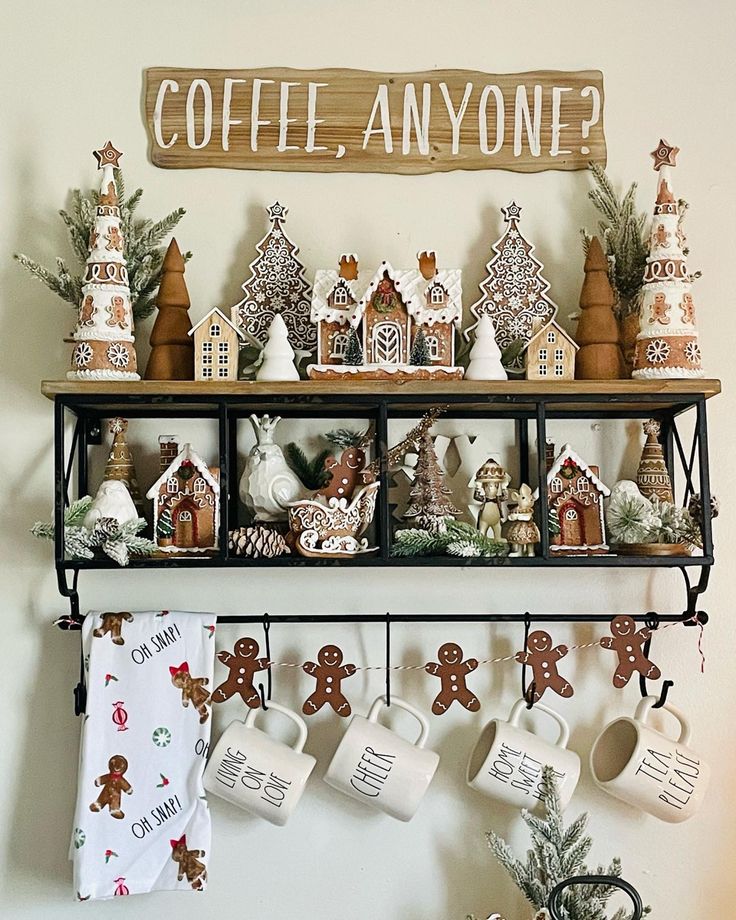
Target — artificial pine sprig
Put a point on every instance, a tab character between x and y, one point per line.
346	437
311	472
558	853
459	539
144	252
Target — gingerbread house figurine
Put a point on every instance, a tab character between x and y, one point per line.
575	496
550	354
186	501
404	320
216	347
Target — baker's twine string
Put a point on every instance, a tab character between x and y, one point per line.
501	660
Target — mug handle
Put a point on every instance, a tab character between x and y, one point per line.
297	720
402	704
645	707
520	706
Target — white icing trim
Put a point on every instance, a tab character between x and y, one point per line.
186	453
102	374
567	453
653	373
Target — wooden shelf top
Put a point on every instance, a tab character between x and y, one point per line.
463	389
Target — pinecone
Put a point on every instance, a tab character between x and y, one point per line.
257	542
695	507
104	529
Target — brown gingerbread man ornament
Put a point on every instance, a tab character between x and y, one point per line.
189	864
542	658
112	623
628	644
114	784
243	665
192	689
329	671
346	473
452	670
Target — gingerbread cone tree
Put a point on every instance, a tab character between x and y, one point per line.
172	353
667	344
652	477
120	464
429	502
104	344
599	356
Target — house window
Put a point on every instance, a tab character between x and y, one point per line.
185	517
557	484
437	295
341	297
223	355
206	347
551	337
386	342
571	514
206	373
433	346
559	354
542	354
583	484
559	370
199	484
542	370
206	359
223	371
215	330
338	345
172	485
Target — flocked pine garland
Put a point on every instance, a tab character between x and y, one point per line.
459	539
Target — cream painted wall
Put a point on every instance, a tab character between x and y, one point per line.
71	79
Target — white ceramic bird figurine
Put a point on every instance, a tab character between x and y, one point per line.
268	485
112	501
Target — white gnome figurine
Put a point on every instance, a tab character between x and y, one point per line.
112	501
485	355
278	355
268	484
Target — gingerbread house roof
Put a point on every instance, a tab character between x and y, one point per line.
222	316
416	288
559	328
325	282
567	453
186	453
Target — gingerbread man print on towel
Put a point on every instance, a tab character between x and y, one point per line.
192	689
243	665
452	670
628	644
112	623
188	863
114	784
542	658
329	672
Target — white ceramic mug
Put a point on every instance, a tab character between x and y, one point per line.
646	769
255	771
507	761
375	765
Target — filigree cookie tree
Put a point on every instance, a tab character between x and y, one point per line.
277	285
514	292
144	252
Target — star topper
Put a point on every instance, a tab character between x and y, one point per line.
277	211
512	212
107	156
664	155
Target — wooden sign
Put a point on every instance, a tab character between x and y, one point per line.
361	121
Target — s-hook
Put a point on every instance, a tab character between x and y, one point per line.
528	694
652	623
388	658
267	695
555	896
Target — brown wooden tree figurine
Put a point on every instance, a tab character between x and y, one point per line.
599	356
172	353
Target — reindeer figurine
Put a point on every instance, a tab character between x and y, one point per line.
491	488
522	533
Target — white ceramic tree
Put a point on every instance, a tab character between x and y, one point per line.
485	355
278	355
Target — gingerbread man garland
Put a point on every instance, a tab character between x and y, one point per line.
243	665
628	644
329	672
542	658
451	670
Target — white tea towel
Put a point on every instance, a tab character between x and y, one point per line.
141	821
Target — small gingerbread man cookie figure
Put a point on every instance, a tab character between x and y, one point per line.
192	690
112	623
542	658
345	473
114	784
452	670
628	644
329	672
189	864
243	664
